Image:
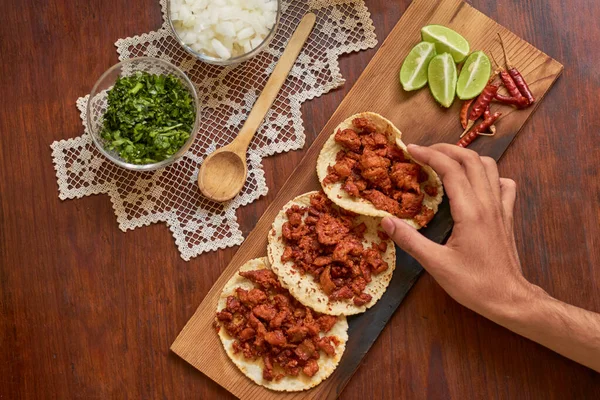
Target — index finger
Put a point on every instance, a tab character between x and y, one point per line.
457	186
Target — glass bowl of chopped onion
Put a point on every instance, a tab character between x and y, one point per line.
143	114
224	32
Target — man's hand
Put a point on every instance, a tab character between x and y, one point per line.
481	251
479	265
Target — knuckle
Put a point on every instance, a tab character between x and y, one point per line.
451	169
471	157
488	161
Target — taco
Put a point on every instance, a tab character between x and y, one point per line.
364	167
273	339
332	260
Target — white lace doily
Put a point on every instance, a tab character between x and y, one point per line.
226	95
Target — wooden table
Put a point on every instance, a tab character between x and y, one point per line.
89	312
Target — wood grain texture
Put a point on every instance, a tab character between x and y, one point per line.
421	121
89	312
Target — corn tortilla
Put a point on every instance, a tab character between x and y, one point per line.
357	204
305	288
253	368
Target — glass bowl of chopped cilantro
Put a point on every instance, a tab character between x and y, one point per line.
143	113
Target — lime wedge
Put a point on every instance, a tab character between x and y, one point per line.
413	74
446	41
474	76
442	79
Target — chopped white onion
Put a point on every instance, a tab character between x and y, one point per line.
223	29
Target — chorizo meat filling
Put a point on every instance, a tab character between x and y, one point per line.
326	241
267	322
372	168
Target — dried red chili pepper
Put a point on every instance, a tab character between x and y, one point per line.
516	76
464	111
519	102
478	130
515	98
507	80
482	102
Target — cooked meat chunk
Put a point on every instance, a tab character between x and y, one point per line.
373	259
382	246
359	230
382	202
345	248
256	296
395	154
322	261
233	304
351	188
311	368
405	176
358	285
275	338
265	311
262	277
342	293
279	318
343	168
375	141
247	334
268	368
305	350
362	299
431	190
330	230
326	322
325	344
410	204
348	138
326	282
242	295
319	203
424	216
295	219
287	254
364	125
297	333
224	316
375	170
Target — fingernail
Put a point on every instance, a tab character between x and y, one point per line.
413	146
388	226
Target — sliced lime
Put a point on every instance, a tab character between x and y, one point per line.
442	79
446	41
474	76
413	74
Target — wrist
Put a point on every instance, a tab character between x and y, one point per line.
515	307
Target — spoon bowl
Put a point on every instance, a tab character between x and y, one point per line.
222	175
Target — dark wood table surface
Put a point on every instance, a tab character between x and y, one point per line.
89	312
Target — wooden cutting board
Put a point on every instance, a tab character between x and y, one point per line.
421	121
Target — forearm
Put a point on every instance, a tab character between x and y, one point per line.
568	330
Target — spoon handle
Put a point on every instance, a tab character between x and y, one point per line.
274	84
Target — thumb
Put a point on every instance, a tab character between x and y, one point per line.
410	240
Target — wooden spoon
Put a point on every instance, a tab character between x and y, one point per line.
223	173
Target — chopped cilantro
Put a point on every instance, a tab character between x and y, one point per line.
149	117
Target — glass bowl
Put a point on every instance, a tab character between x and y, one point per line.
97	105
234	60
